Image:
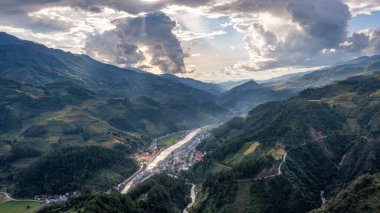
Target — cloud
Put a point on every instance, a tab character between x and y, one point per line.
189	36
287	32
366	42
325	20
132	7
129	6
37	22
192	3
363	6
266	34
140	41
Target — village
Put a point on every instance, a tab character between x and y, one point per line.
179	160
56	198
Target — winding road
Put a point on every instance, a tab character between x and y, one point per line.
279	172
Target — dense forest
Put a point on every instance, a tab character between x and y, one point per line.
39	120
360	196
326	138
73	168
159	194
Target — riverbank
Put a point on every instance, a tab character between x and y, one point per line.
153	166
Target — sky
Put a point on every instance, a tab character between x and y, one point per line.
209	40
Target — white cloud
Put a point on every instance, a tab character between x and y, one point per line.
363	6
189	36
266	34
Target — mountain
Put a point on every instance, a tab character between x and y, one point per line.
249	85
51	100
243	98
285	78
41	120
362	195
250	94
74	168
214	89
360	66
228	85
362	60
161	193
60	108
286	156
35	64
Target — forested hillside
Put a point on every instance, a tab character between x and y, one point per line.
39	120
74	169
284	154
362	195
159	194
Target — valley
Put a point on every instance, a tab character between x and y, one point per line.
315	128
160	162
78	135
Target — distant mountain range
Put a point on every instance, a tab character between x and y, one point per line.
214	89
35	64
249	95
359	66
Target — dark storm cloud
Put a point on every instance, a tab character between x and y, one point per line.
154	31
323	19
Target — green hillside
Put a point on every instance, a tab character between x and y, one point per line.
318	141
35	64
38	120
161	193
74	168
362	195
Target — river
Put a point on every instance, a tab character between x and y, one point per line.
193	196
162	156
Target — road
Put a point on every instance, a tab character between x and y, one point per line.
9	198
161	156
282	162
279	172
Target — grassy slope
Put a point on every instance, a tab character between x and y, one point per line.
18	206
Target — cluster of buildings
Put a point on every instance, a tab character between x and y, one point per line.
184	157
179	160
56	198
